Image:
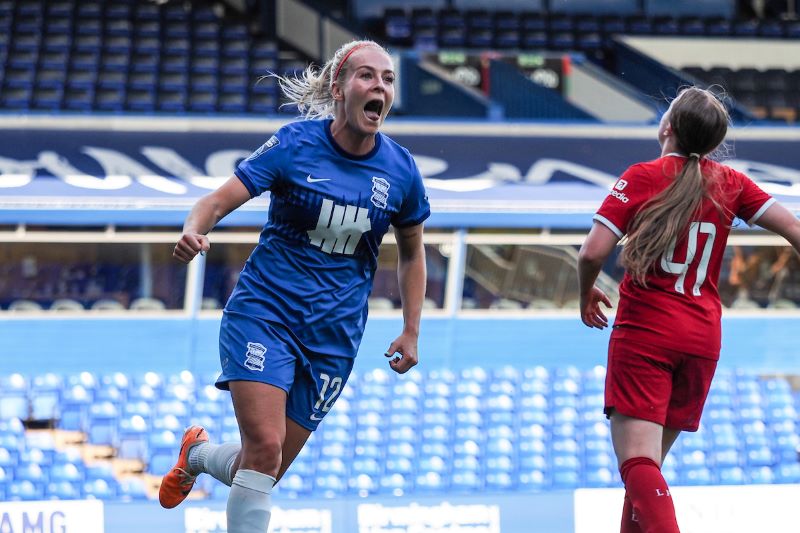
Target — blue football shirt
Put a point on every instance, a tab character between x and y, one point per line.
313	267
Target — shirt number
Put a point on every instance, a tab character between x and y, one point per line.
335	385
680	269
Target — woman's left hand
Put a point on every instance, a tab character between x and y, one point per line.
406	346
591	313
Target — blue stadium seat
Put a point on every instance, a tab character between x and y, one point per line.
499	481
45	392
532	480
24	490
533	462
134	489
117	23
399	465
465	481
75	405
70	455
430	449
8	458
429	483
599	477
100	471
395	483
692	459
363	484
329	485
759	456
63	490
133	436
785	447
102	423
564	447
788	473
761	475
31	472
598	460
100	489
724	457
13	397
699	475
597	445
66	472
565	479
206	30
730	475
141	100
295	485
367	466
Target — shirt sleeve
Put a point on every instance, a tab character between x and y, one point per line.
415	208
624	200
753	201
264	167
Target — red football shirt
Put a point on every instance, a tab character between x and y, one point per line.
680	307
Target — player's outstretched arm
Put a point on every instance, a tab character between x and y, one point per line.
412	276
780	220
205	214
593	254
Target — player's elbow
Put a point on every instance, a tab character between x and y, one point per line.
589	256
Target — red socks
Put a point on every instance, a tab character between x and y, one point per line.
649	496
630	522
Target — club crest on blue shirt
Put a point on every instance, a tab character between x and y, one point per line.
255	356
271	143
380	192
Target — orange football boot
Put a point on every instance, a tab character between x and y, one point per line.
178	482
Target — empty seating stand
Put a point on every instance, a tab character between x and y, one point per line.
125	56
468	431
769	94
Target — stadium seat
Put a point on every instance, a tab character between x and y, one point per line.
730	475
24	306
147	304
107	305
24	490
102	423
32	472
134	489
13	397
66	304
100	489
788	473
63	490
761	475
565	479
600	477
698	475
65	472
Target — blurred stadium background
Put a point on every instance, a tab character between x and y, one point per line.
118	114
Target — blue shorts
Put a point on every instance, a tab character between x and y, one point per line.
252	349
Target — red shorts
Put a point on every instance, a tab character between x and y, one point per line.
656	384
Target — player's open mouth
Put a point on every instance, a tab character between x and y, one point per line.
373	110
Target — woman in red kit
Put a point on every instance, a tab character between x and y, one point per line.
676	213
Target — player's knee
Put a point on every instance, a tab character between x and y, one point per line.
263	453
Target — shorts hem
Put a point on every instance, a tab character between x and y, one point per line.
632	414
223	383
691	429
302	423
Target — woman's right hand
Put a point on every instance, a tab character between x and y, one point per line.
591	314
189	246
